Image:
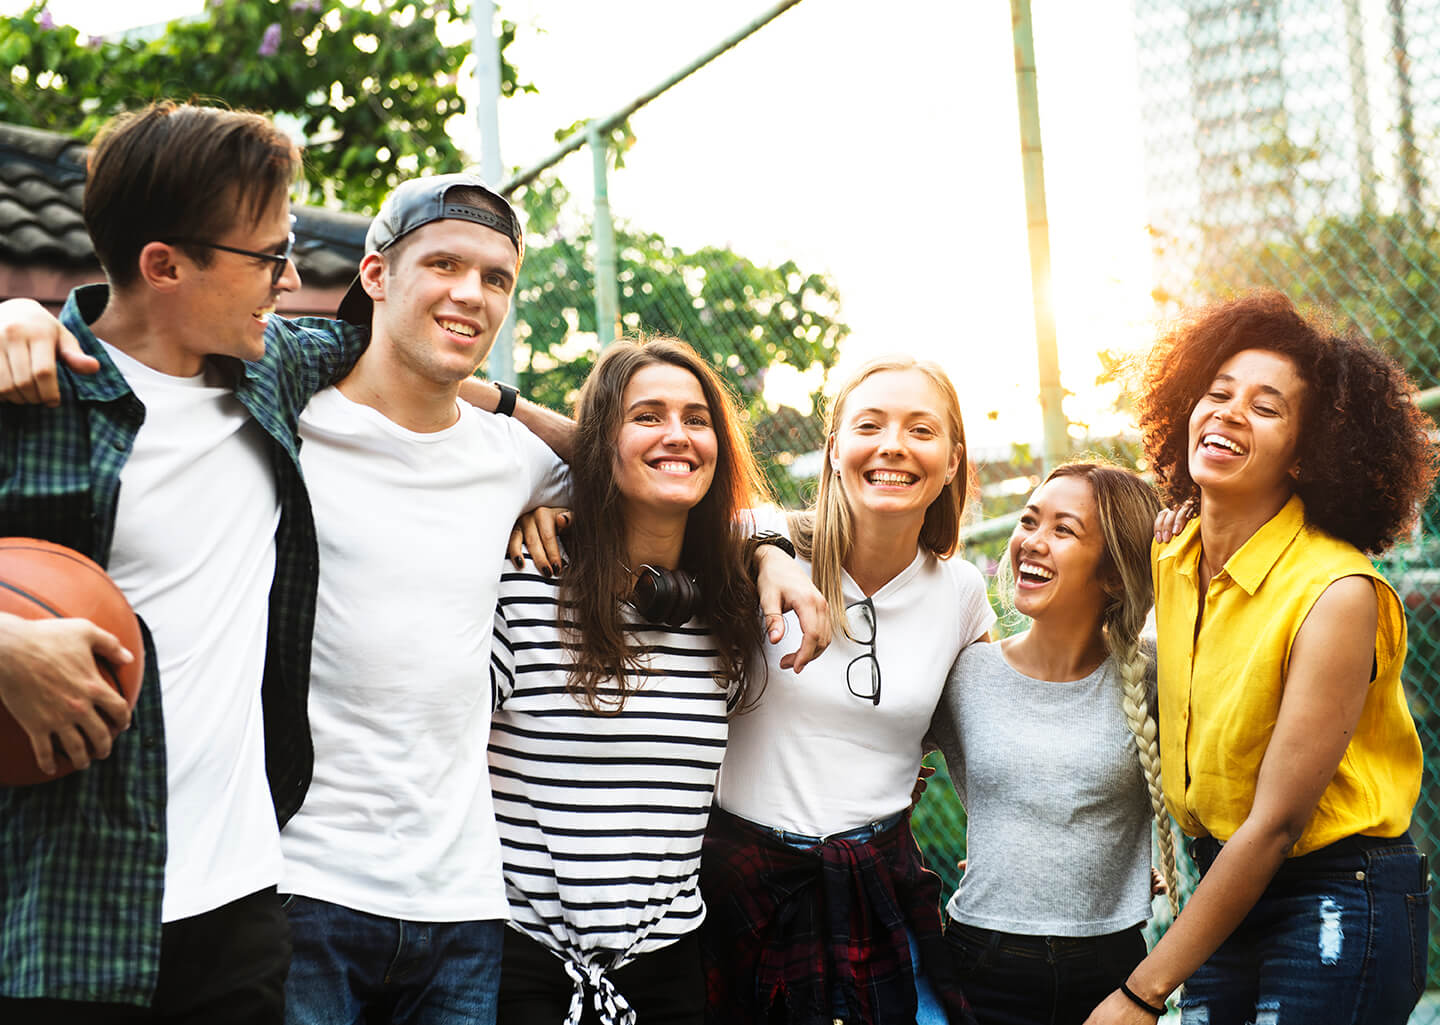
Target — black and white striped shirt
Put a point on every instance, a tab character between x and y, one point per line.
601	816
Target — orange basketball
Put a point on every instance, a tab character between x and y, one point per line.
40	580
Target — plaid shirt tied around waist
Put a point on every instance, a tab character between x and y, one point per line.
786	929
82	859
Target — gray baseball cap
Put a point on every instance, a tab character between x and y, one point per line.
414	204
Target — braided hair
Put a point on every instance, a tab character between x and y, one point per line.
1126	507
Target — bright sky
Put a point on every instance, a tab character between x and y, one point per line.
876	142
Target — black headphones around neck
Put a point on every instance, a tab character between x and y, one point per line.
668	596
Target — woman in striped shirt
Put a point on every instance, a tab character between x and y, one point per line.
614	683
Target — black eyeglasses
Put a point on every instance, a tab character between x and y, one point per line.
860	619
280	260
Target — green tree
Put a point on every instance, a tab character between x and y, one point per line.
746	317
371	86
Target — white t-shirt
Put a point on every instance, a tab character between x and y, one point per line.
814	758
194	551
398	820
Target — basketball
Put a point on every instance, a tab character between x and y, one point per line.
40	580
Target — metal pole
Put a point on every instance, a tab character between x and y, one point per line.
1057	436
607	298
605	124
501	364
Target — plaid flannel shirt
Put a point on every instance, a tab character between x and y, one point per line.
788	930
82	859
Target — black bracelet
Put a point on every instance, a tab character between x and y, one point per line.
508	394
1159	1012
769	537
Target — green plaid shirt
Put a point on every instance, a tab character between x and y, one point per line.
82	859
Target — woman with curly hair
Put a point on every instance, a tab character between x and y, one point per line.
1050	739
615	682
1287	748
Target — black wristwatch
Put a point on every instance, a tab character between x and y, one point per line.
508	395
769	537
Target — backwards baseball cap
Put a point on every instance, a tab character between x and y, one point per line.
413	205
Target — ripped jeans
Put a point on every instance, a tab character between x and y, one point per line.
1340	937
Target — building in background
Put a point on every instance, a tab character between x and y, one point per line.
1262	118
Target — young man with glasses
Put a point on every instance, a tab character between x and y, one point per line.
144	887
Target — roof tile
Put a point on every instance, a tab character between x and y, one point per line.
42	176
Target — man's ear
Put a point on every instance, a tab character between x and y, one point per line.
372	276
159	267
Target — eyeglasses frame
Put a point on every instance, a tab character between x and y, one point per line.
875	676
280	260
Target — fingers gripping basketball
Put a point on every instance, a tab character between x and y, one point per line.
40	580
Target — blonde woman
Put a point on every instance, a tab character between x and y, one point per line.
819	904
1051	744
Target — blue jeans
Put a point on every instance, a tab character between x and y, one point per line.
1340	937
350	967
1012	979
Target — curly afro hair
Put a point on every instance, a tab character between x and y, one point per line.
1366	462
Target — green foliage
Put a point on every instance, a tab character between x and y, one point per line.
746	317
1378	271
619	139
371	86
1381	273
938	823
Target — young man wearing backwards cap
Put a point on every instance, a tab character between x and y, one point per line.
397	900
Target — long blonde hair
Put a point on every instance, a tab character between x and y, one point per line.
1126	507
825	534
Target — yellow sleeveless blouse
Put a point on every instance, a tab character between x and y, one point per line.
1220	692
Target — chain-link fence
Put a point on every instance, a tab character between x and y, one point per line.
1289	144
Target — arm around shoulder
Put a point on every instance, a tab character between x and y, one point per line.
31	339
312	353
555	429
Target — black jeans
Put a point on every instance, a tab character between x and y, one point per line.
225	967
1040	980
666	986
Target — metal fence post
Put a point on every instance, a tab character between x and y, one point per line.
607	298
1057	436
501	363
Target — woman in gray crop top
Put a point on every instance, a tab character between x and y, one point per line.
1050	739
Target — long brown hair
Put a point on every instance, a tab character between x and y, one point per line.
824	534
714	550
